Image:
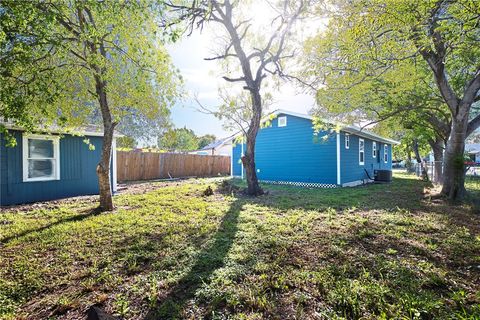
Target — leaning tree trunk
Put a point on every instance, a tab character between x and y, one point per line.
248	160
438	146
103	167
454	165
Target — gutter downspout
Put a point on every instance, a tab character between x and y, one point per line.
339	180
231	162
114	164
241	162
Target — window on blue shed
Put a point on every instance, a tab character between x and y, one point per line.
374	149
40	158
385	153
347	141
361	151
282	121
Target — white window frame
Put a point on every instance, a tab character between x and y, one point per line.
347	141
374	149
56	156
282	121
385	153
360	151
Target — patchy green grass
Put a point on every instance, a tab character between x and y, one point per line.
473	185
373	252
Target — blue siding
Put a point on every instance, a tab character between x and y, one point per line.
351	170
236	162
293	153
77	172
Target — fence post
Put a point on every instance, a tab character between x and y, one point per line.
434	177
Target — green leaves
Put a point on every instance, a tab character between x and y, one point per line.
24	59
51	53
181	139
368	63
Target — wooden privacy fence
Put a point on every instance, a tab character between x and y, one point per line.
133	165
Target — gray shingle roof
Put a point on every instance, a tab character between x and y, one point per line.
213	145
216	143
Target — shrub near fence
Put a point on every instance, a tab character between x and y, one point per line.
133	165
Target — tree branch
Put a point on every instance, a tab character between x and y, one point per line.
436	59
229	116
473	87
234	79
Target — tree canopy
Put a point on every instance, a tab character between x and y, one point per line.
107	57
183	139
45	65
205	140
416	56
29	71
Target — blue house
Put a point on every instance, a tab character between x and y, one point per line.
290	151
48	166
473	151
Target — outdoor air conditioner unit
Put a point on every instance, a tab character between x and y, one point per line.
382	175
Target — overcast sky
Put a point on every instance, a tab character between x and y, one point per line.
203	78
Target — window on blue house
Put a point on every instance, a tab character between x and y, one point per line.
361	151
374	149
347	141
41	159
385	153
282	121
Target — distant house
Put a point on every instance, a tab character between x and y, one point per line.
473	150
222	147
48	166
289	151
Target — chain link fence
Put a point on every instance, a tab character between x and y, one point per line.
433	170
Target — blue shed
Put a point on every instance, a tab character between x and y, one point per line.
289	151
48	166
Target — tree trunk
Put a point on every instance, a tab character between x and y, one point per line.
409	164
103	167
438	146
419	160
103	171
248	160
454	165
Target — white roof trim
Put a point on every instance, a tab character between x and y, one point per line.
349	129
290	113
367	134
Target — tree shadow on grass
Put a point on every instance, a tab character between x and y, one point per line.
402	192
210	259
75	218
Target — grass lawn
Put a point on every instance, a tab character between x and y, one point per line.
374	252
